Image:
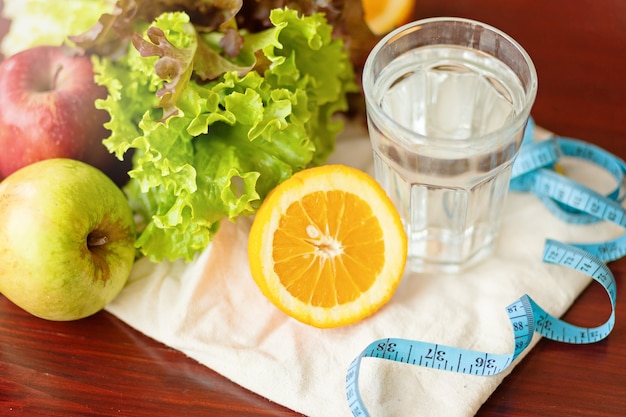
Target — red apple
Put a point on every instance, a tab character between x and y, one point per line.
47	110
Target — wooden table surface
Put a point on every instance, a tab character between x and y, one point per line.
100	367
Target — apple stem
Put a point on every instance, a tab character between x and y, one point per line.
97	240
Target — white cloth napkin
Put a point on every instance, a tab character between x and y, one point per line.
212	311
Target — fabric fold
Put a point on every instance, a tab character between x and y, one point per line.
211	310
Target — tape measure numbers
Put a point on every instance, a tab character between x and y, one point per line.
525	316
580	260
569	201
533	172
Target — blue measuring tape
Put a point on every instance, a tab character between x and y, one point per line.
535	171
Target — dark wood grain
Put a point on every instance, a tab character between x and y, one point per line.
100	367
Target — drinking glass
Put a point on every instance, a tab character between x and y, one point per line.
447	103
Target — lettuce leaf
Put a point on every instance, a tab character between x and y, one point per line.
210	135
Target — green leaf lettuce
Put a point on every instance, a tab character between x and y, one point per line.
210	134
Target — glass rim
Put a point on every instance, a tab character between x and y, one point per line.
515	123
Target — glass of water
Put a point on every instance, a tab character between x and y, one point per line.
447	102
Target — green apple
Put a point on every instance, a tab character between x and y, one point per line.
67	237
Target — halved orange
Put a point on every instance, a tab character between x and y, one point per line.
384	15
327	246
